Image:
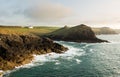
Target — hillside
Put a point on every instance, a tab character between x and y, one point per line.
104	30
79	33
117	31
25	30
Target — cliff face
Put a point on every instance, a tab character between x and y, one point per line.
17	50
80	33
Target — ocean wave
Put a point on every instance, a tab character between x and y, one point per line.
52	57
78	61
57	63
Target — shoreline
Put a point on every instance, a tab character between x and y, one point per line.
49	57
4	72
28	65
17	50
1	73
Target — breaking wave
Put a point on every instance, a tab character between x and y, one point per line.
69	55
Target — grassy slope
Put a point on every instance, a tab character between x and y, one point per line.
25	31
38	30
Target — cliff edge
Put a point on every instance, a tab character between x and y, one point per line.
16	50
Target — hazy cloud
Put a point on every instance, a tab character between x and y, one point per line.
47	11
59	12
32	11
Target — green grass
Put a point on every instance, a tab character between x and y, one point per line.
25	31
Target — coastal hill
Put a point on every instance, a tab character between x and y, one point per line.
24	30
117	31
79	33
104	30
16	50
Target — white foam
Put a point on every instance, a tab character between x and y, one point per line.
57	63
1	71
78	61
53	57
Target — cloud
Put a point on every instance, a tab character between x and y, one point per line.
47	11
32	11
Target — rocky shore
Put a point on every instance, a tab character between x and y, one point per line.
1	74
79	33
16	50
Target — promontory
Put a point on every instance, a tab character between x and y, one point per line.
79	33
16	50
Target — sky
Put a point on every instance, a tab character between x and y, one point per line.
95	13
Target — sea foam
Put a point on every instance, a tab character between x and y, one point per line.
52	57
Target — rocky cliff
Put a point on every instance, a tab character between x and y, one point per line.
18	50
79	33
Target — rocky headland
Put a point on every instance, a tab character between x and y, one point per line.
16	50
79	33
104	30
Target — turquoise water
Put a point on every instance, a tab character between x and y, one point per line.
81	60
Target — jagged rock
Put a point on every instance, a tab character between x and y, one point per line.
17	50
80	33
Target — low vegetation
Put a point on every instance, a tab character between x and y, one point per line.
44	30
26	31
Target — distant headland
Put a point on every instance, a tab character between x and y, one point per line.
79	33
104	30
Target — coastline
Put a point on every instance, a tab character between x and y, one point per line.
1	73
29	64
19	50
36	58
40	60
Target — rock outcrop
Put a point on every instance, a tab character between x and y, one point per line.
18	50
80	33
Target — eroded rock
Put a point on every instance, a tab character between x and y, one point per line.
18	50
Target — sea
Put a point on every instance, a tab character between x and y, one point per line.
81	60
